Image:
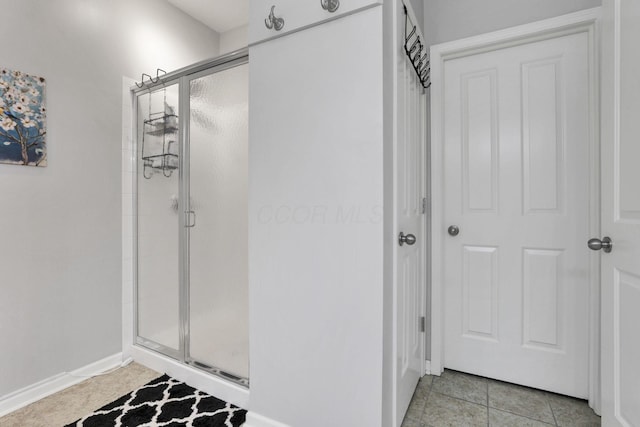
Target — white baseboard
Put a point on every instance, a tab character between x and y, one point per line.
54	384
255	420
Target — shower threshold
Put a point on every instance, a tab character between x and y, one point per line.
174	354
244	382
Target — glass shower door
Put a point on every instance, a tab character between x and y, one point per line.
157	255
191	213
217	191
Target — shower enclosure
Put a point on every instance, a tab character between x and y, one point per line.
191	272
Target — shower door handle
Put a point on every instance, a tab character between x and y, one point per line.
188	222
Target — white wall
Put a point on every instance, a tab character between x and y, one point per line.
418	9
60	255
446	20
234	39
316	225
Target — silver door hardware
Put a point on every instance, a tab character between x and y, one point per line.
425	203
190	224
453	230
409	239
273	22
330	5
596	244
423	324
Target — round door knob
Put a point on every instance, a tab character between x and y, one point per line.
409	239
453	230
596	244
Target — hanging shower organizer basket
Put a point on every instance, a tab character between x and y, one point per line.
159	136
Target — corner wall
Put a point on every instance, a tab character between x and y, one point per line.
235	39
60	255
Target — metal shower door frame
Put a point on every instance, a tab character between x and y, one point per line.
183	78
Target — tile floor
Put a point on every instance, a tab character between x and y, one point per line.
453	399
461	400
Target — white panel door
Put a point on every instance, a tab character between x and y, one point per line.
410	258
516	153
621	214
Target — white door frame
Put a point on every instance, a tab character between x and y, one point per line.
586	21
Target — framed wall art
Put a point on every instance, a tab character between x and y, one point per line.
22	119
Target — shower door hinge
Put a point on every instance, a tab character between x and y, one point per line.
423	324
425	205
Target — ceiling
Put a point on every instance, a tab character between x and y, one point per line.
219	15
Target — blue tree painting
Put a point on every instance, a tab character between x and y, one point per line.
22	119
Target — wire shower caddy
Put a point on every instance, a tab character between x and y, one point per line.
161	127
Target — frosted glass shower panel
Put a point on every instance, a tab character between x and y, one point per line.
218	250
157	225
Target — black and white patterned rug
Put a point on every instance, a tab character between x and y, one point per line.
165	402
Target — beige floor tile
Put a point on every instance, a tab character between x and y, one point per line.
416	408
463	386
426	381
423	388
570	412
408	422
74	402
418	401
504	419
520	401
446	411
